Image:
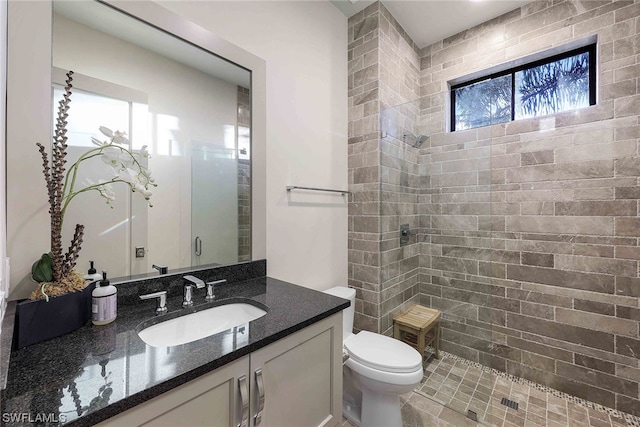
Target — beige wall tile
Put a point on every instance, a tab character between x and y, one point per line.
597	322
562	225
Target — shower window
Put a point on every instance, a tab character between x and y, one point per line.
483	103
558	83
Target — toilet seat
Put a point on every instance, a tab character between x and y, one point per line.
382	353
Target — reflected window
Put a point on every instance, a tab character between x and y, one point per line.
552	85
89	111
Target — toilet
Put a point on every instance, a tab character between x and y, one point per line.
378	370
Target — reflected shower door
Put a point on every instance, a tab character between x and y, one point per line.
214	205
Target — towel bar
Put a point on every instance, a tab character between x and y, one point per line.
295	187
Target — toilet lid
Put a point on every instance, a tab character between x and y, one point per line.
383	353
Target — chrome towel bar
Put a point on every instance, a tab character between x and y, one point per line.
295	187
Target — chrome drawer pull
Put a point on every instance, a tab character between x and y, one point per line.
260	385
244	399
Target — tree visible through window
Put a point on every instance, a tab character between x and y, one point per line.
559	83
483	103
553	87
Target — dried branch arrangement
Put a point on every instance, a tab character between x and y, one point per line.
62	187
55	179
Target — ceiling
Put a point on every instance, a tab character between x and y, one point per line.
428	21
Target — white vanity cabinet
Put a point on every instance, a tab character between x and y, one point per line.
300	377
210	400
296	382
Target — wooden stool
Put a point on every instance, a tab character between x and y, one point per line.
418	327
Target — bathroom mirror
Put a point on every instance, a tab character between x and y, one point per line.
189	107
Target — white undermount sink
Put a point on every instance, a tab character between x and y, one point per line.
201	324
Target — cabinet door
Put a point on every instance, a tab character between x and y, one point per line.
299	378
212	400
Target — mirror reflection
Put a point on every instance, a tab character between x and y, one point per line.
192	111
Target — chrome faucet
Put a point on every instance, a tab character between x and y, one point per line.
162	269
189	283
210	296
161	300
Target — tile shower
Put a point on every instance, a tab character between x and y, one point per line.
526	232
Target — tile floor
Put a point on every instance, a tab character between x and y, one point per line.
452	386
419	411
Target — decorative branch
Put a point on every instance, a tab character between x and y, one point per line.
74	250
54	176
61	186
47	176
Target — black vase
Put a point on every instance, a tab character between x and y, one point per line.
39	320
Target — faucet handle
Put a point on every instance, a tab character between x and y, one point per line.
161	302
192	280
210	296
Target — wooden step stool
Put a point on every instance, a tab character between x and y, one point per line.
419	327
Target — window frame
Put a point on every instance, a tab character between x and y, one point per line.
590	49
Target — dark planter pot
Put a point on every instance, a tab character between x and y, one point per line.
38	321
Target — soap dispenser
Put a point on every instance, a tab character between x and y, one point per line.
104	307
92	275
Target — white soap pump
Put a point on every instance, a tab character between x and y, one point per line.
104	307
92	275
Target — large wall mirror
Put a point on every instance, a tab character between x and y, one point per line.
190	108
194	99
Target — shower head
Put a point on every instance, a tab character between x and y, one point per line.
420	139
415	141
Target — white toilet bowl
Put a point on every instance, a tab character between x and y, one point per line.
379	369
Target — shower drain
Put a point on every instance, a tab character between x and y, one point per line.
472	415
509	403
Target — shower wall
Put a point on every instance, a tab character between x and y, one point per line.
527	231
384	67
531	245
244	174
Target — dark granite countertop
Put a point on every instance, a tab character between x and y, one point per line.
97	372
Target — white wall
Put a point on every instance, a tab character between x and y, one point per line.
28	122
304	44
4	276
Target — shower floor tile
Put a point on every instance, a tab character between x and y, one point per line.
451	386
454	383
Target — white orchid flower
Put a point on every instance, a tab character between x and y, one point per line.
111	157
127	175
117	137
144	153
120	138
106	190
97	142
125	164
126	160
106	131
145	177
103	187
142	190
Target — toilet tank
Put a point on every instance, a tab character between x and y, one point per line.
347	313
